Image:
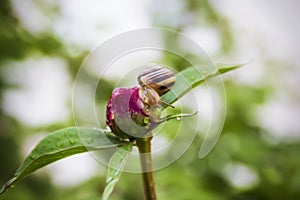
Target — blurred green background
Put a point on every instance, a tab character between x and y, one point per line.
43	43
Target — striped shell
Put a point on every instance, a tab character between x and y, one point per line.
158	78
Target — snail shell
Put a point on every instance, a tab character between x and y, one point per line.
159	78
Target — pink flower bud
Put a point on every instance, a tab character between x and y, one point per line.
131	113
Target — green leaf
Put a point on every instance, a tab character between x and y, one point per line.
61	144
67	142
116	166
191	77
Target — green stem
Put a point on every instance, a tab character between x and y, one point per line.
144	146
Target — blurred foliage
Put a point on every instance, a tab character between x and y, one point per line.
276	164
15	43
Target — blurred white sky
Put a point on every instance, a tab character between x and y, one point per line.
264	31
267	31
43	94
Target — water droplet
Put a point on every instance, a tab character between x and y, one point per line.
107	129
58	144
90	140
178	118
72	141
134	131
192	77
